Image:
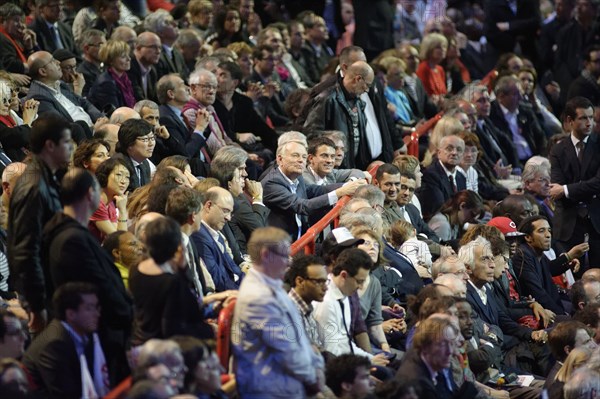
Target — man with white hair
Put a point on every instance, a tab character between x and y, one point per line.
450	264
171	60
204	93
289	198
454	283
584	383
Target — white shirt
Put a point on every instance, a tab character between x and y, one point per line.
372	129
77	113
481	292
328	315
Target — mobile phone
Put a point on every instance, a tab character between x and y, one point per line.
586	238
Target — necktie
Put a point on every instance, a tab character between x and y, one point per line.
452	184
56	36
401	213
341	302
580	149
141	176
442	385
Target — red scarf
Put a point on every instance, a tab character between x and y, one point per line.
7	120
125	86
15	44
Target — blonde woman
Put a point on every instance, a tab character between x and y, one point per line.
577	358
113	87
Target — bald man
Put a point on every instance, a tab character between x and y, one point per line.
142	73
340	108
54	95
211	243
122	114
109	132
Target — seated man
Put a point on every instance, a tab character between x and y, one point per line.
55	96
289	198
12	341
441	179
320	169
135	147
348	377
211	244
535	270
56	360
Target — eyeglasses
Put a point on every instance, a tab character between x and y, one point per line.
379	208
373	244
367	83
225	211
205	86
451	149
317	281
69	67
155	47
96	44
49	62
147	139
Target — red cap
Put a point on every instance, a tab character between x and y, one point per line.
506	226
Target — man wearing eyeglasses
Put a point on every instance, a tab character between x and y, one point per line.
136	145
211	243
91	67
143	73
52	34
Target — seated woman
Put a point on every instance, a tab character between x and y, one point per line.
228	26
576	359
449	222
113	88
14	137
90	153
203	376
111	215
164	304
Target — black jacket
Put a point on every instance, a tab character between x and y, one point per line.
45	37
72	253
135	75
35	198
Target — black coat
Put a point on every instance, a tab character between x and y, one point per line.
105	94
53	365
135	75
436	188
246	218
374	25
134	182
33	202
175	64
45	37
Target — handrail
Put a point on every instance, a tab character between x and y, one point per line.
412	141
224	334
307	241
120	391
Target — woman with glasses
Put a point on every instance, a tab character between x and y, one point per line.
111	215
14	131
113	89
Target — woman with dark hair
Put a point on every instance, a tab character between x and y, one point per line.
13	380
164	303
530	94
90	154
464	207
228	26
111	215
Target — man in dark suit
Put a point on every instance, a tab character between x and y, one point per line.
72	253
142	73
289	198
511	22
427	363
575	177
586	85
171	59
55	96
211	244
52	34
173	94
498	150
516	120
91	67
15	43
441	180
53	361
135	147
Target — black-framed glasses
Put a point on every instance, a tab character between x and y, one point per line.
317	281
49	62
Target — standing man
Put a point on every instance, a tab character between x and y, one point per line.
34	201
73	254
575	183
274	357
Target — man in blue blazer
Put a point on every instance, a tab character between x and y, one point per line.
212	245
290	199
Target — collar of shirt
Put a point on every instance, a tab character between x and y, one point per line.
448	173
55	90
185	239
306	308
575	140
213	233
50	26
275	284
481	292
287	179
333	290
167	49
135	163
318	179
506	112
80	341
433	374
